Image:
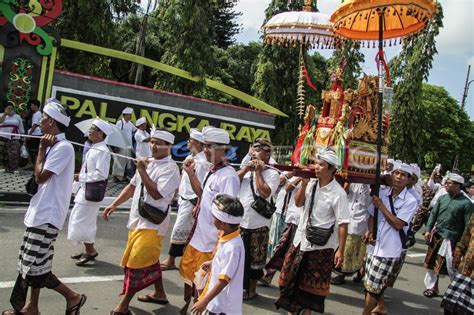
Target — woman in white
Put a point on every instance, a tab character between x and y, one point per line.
83	220
10	145
143	139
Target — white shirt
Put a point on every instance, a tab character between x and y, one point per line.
434	186
201	168
388	243
14	120
97	160
143	148
359	200
165	173
330	208
252	219
126	127
418	198
35	120
293	213
228	263
223	181
51	203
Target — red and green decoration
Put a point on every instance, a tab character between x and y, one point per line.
28	18
19	85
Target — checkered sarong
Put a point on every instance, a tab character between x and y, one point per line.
381	272
459	297
37	250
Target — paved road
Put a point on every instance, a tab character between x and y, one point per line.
102	282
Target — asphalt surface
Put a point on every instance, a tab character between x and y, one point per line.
102	282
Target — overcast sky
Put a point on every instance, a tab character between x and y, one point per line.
455	43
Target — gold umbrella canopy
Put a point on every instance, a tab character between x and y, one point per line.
300	27
358	19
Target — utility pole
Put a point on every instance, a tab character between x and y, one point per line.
463	104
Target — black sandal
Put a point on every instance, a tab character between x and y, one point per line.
430	293
76	309
85	259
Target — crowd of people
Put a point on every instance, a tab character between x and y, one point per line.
229	234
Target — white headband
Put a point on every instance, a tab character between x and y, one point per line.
163	135
103	126
196	135
55	110
224	217
215	135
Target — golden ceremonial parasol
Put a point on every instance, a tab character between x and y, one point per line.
376	20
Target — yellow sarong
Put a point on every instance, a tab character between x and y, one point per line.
143	249
191	262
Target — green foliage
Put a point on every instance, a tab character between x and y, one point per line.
411	67
350	55
444	130
225	25
91	22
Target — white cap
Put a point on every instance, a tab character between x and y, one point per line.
456	178
140	121
127	111
329	156
415	170
403	167
390	161
196	135
56	110
215	135
223	216
163	135
103	126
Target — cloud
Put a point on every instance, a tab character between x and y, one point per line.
457	35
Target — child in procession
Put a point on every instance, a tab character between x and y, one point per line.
223	290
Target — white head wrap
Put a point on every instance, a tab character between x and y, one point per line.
223	216
416	170
215	135
328	156
403	167
163	135
390	161
55	110
456	178
127	111
103	126
196	135
140	121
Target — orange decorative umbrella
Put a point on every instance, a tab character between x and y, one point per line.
376	20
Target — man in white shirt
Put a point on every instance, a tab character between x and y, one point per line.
154	185
35	130
221	179
142	137
121	165
187	199
95	169
326	210
54	171
256	180
386	254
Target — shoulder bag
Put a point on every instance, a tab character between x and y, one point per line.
31	186
407	239
262	206
317	235
95	191
153	214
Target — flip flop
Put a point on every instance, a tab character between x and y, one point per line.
430	293
85	259
120	313
149	299
76	309
166	267
77	256
248	297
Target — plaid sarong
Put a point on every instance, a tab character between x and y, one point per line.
37	250
138	279
459	297
381	272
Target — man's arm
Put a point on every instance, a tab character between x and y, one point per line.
300	192
41	174
339	255
124	195
188	167
263	188
395	222
149	184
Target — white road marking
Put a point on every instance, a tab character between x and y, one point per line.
117	212
416	255
10	284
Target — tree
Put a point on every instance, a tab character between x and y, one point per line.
445	130
225	25
411	67
77	23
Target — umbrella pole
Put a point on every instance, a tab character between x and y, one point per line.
379	121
